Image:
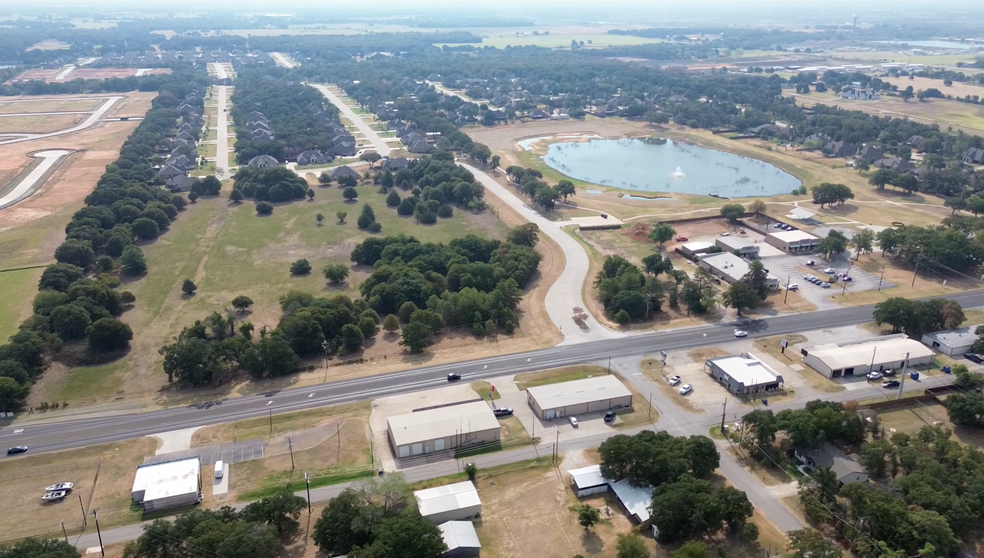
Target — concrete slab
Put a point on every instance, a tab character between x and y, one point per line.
597	222
230	453
175	440
221	486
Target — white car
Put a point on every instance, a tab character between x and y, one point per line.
573	421
874	376
825	285
66	486
725	234
674	380
830	271
54	496
793	287
685	389
741	333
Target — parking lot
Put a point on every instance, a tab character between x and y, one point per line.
793	267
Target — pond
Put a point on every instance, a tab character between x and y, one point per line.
667	166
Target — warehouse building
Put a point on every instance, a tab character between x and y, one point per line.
451	502
952	342
730	268
461	539
587	481
170	484
442	428
590	395
793	241
857	358
743	374
737	246
693	248
635	499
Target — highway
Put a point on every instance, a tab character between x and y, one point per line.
48	436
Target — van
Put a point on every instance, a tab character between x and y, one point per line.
219	469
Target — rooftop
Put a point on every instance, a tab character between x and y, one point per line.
840	463
442	422
793	236
864	352
697	246
587	477
578	392
635	499
801	214
459	534
734	242
729	264
167	479
747	369
953	337
440	499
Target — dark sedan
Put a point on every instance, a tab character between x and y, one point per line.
16	449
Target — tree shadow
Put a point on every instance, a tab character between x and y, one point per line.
592	542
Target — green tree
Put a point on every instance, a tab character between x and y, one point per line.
300	267
587	516
393	199
494	163
310	194
757	207
827	193
188	287
345	523
236	195
881	178
127	298
39	548
367	218
132	261
661	234
417	337
566	188
758	279
279	511
324	178
193	196
404	534
370	157
12	395
350	193
109	334
763	425
70	321
966	409
264	208
341	216
75	252
702	456
352	338
275	358
391	323
319	218
622	317
692	549
863	242
631	545
698	293
732	212
524	235
242	303
833	244
875	456
336	273
808	543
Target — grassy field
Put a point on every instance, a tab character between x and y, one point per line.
18	288
890	56
557	375
912	417
53	105
227	250
557	39
39	124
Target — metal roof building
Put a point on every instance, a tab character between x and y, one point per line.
460	538
792	241
442	428
589	395
167	485
636	500
731	268
588	481
951	342
451	502
857	358
735	244
743	374
696	247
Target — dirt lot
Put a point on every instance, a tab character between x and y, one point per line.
39	124
24	479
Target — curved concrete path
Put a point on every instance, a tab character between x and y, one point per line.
347	112
92	120
565	294
49	162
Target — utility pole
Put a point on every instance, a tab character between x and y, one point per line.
307	481
271	423
95	513
64	532
338	436
882	277
290	447
609	364
324	346
905	364
787	289
556	444
81	505
914	271
650	406
724	409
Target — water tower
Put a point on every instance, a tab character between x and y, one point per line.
855	16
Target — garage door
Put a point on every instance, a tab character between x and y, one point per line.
548	414
404	451
417	449
439	444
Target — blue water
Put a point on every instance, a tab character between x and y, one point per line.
669	167
935	44
596	192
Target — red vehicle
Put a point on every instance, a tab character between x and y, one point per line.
682	239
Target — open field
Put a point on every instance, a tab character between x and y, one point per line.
556	39
16	105
24	479
922	83
39	124
18	288
912	417
51	76
892	56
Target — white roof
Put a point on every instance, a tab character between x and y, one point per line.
734	242
578	392
697	246
801	214
731	265
635	499
450	497
459	534
587	477
953	337
167	479
880	351
793	236
442	422
747	369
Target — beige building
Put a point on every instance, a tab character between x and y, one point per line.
857	358
442	428
579	397
792	241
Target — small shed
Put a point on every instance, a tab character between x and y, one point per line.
952	342
694	248
170	484
588	480
801	214
461	539
451	502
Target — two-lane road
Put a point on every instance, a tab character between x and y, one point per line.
58	435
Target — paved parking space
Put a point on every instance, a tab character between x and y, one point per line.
791	266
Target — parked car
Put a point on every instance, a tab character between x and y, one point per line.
741	231
741	333
66	486
682	239
725	234
685	389
874	376
825	285
969	356
890	384
830	271
674	380
889	372
604	216
810	262
573	421
846	277
793	287
778	225
502	412
789	228
54	496
22	449
452	377
610	416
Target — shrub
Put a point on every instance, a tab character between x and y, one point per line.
300	267
393	199
350	193
132	261
189	287
109	334
445	211
264	208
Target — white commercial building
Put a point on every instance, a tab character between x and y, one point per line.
743	374
443	428
694	248
460	538
857	358
578	397
952	342
170	484
737	246
792	241
730	268
451	502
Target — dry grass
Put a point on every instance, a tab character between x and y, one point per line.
901	275
771	346
703	354
39	124
18	105
557	375
283	424
912	417
24	479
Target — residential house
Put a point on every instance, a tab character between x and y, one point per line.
895	164
169	171
396	164
859	93
345	148
840	149
313	157
973	156
845	467
261	135
420	146
870	153
180	183
539	114
915	142
263	162
345	170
